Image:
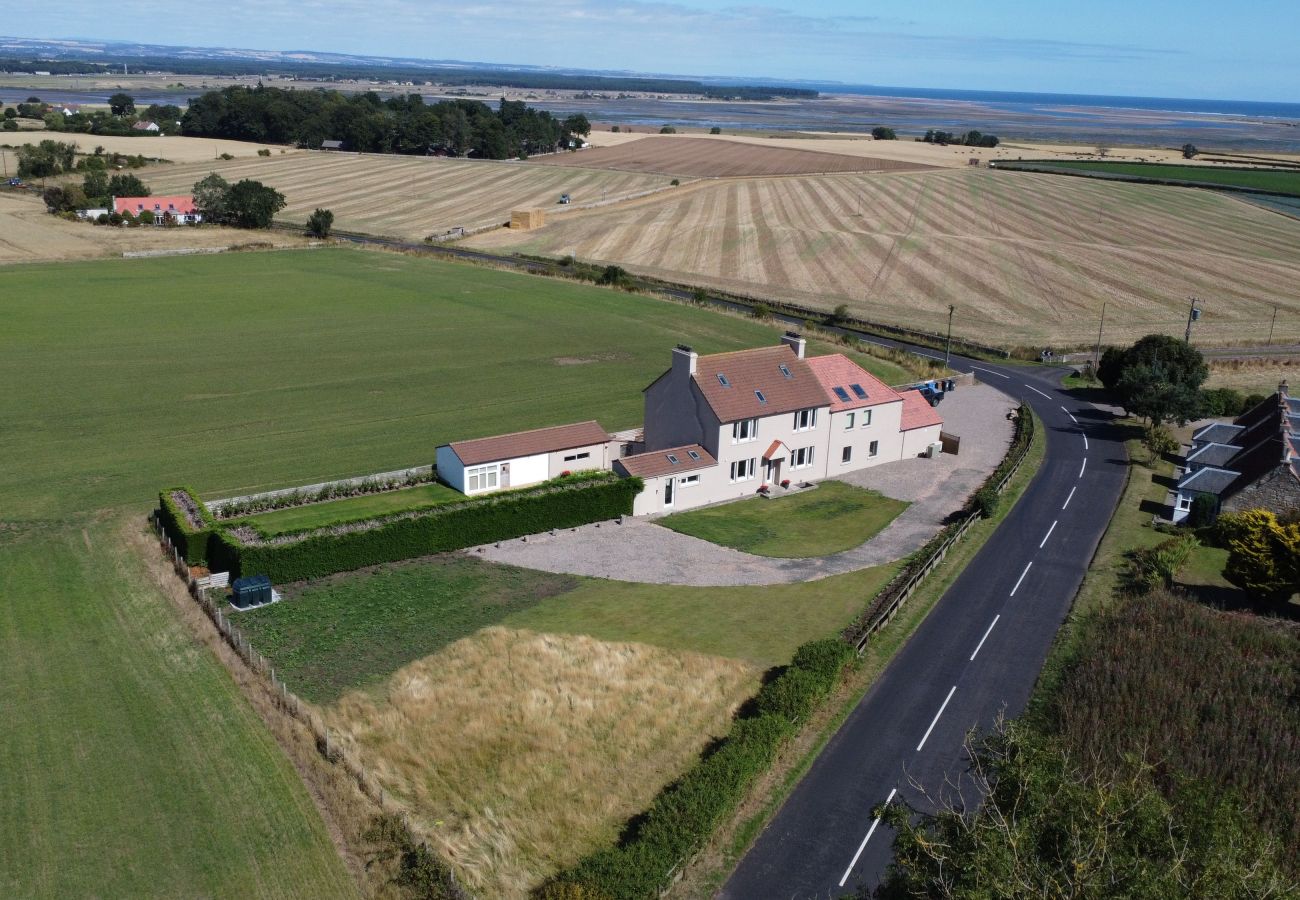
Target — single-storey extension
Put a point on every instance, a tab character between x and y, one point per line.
523	458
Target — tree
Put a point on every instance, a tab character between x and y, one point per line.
146	217
127	185
577	124
668	129
838	315
10	125
881	133
211	194
715	130
64	199
45	159
1159	441
1263	553
1158	378
11	113
251	204
1189	151
121	104
319	223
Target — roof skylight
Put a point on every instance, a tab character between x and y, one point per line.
722	380
761	398
841	393
857	390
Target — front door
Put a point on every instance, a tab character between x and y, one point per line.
774	471
668	492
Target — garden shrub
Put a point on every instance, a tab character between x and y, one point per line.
452	527
191	542
686	813
985	501
1203	511
1155	567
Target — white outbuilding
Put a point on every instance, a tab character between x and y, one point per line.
523	458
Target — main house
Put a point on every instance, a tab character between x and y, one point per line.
1252	462
719	427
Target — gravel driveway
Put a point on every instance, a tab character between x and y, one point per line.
640	550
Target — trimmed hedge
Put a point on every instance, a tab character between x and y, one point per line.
191	542
686	813
438	530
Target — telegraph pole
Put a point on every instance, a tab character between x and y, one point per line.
1269	342
1096	362
947	348
1192	315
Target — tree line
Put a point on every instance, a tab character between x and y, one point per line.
964	139
367	123
119	119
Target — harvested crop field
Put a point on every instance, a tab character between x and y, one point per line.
516	753
170	147
408	196
29	234
1025	258
697	158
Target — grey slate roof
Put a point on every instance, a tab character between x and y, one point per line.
1218	455
1217	433
1208	480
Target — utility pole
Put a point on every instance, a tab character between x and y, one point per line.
947	348
1193	314
1269	342
1096	362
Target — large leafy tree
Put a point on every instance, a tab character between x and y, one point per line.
121	104
1158	378
251	204
210	198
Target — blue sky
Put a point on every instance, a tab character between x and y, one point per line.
1194	48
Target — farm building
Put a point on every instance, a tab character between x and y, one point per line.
179	209
720	427
1250	463
331	145
523	458
144	126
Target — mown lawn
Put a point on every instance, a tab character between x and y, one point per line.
333	512
833	517
354	630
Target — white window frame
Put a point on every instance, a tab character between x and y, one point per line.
688	480
848	421
846	455
744	431
866	418
1184	503
743	470
802	458
482	478
574	457
873	449
805	419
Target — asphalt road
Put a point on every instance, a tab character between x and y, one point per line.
977	655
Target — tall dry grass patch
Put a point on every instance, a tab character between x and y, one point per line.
517	752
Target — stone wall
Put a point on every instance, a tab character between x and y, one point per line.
1278	491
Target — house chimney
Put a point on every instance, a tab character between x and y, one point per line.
1281	387
684	361
794	340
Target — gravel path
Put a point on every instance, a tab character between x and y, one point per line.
640	550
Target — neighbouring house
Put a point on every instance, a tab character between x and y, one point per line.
523	458
720	427
1252	462
92	214
179	209
70	109
331	145
151	127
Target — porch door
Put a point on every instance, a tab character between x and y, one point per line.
775	469
668	492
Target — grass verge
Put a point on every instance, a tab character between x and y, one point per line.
834	517
707	872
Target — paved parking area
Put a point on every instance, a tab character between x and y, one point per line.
640	550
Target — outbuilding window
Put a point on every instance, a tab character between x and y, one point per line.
482	478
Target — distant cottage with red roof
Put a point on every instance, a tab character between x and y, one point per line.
179	209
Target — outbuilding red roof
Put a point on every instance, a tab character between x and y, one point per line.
179	205
529	443
917	412
835	370
661	462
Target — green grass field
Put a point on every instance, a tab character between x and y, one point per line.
334	512
126	742
834	517
1286	182
354	631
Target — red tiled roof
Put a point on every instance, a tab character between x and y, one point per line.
748	371
774	448
917	412
835	370
656	462
529	443
176	205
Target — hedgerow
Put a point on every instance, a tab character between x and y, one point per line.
438	530
685	814
191	542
